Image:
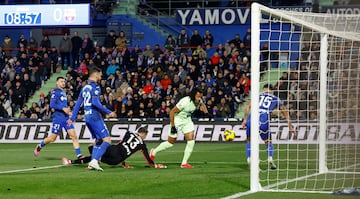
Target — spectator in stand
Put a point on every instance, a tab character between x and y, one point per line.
111	69
76	42
87	46
54	56
147	51
21	51
47	65
6	105
247	39
34	75
209	80
3	58
18	97
236	41
45	43
245	84
224	108
109	41
140	60
208	39
183	41
196	39
150	60
82	70
32	45
26	111
220	49
165	81
199	52
28	85
215	58
22	42
157	51
8	46
65	48
121	41
148	87
242	50
170	43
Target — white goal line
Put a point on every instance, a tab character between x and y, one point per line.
31	169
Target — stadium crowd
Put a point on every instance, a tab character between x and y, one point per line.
136	82
148	82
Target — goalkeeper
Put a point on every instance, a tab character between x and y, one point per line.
116	154
268	102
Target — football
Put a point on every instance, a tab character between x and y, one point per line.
229	135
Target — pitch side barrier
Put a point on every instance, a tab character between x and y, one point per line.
206	130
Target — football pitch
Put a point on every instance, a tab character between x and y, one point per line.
220	171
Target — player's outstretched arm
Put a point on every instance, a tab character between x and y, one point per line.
96	102
126	166
285	112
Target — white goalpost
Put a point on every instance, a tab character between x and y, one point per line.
313	62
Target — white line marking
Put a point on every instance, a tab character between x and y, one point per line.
31	169
191	162
238	195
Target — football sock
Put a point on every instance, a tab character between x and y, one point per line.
101	150
42	144
95	149
248	149
78	152
270	149
188	150
83	160
163	146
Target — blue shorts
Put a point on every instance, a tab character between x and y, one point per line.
265	134
57	126
98	129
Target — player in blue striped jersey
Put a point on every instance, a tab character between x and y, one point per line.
60	117
89	98
267	104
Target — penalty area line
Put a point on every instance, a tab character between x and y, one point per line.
31	169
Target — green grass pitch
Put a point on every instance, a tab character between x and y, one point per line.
220	171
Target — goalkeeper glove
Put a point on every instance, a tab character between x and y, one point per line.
173	130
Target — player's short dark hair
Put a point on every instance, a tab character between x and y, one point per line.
93	69
143	130
57	79
268	86
193	93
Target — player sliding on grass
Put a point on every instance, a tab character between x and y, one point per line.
61	114
116	154
180	119
268	102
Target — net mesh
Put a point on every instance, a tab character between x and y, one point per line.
290	60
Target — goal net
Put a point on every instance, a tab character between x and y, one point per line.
313	62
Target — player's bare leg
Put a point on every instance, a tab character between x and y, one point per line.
162	146
270	151
75	141
188	150
46	141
